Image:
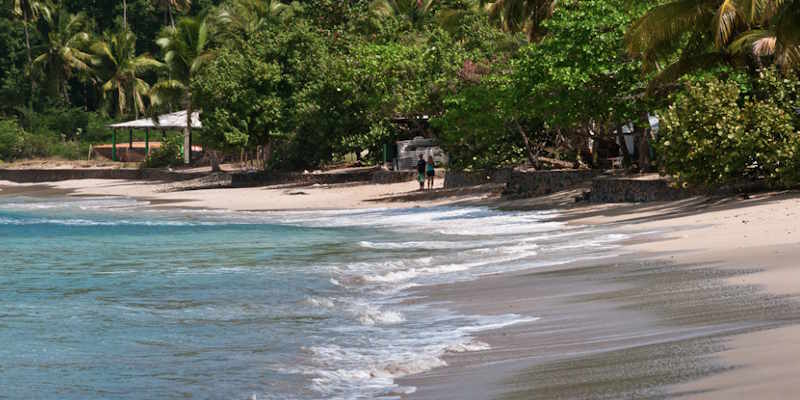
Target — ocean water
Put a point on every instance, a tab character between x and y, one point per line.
108	298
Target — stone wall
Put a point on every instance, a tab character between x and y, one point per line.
265	178
387	177
52	175
628	190
462	179
537	183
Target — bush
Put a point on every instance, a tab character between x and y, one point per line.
12	141
169	154
713	135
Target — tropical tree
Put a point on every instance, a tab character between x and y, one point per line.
115	60
414	11
248	16
681	35
186	50
29	11
66	42
521	15
170	6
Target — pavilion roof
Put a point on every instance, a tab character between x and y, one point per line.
176	120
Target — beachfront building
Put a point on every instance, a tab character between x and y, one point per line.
167	122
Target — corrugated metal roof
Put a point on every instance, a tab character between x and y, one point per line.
176	120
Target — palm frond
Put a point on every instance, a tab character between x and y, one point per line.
666	24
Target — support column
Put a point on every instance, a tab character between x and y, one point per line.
114	146
130	139
146	142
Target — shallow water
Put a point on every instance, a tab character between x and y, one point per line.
106	298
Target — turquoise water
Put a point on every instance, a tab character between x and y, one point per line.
108	298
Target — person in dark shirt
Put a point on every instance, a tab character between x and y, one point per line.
421	172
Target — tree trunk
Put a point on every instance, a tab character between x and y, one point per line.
171	18
214	161
187	134
30	62
532	157
125	15
644	144
267	148
623	148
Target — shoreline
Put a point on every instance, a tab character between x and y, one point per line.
741	247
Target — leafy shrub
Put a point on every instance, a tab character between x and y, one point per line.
12	141
712	136
169	154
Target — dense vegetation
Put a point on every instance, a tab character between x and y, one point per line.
504	82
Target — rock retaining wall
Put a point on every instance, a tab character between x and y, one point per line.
52	175
632	190
537	183
265	178
462	179
387	177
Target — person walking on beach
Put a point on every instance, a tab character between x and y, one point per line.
430	172
421	172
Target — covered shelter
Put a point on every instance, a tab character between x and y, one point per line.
172	121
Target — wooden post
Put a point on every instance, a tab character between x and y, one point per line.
130	139
146	142
114	146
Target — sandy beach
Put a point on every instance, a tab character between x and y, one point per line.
701	303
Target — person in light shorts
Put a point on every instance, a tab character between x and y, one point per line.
430	172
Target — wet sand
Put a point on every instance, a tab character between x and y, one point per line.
707	311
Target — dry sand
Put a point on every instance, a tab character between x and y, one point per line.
707	311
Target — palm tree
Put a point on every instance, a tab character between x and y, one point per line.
415	11
29	11
116	61
715	30
169	5
521	15
247	16
66	42
186	51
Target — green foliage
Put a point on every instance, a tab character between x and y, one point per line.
580	72
169	154
474	129
12	140
713	135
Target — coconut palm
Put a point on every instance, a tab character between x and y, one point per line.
29	11
247	16
521	15
66	42
716	30
170	6
415	11
115	60
186	51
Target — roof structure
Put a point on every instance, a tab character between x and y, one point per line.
176	120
